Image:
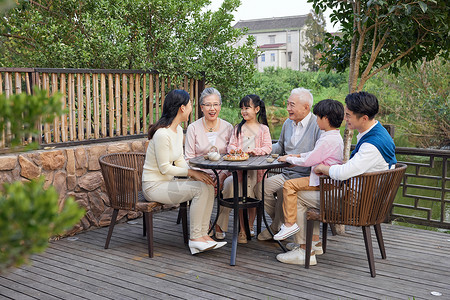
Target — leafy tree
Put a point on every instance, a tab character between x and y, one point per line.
172	36
315	36
382	35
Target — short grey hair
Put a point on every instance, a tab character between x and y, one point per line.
208	92
304	95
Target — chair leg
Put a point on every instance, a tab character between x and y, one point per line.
149	224
309	234
324	236
180	216
111	227
369	249
183	213
379	235
144	227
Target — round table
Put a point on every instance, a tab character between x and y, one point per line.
237	202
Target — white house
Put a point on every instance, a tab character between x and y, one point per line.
280	39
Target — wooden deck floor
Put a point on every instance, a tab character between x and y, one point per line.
418	264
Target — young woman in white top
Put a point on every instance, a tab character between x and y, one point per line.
164	160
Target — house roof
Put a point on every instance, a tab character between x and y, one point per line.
273	24
272	45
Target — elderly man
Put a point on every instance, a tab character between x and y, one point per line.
375	151
299	134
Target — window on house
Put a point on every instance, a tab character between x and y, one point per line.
289	58
272	39
289	38
263	57
272	57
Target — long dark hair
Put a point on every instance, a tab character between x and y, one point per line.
172	103
261	115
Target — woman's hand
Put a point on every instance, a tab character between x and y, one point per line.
200	176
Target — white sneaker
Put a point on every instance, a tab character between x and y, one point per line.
316	246
286	232
296	257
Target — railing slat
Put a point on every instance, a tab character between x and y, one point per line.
56	126
96	106
64	132
103	105
88	106
144	103
118	110
111	104
124	105
138	102
80	102
46	86
150	102
131	104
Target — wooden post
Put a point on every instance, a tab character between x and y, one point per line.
138	102
111	104
46	86
56	126
144	103
132	121
117	95
103	105
124	105
96	106
80	101
64	132
88	106
71	113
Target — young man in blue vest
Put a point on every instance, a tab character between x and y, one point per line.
375	151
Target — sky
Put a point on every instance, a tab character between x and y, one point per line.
258	9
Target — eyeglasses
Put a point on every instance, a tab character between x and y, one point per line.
211	105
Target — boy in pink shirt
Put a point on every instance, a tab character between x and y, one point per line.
328	150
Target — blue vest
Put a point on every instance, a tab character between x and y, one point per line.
380	138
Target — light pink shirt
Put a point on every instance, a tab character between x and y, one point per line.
263	144
328	150
197	142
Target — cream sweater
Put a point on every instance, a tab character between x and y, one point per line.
164	158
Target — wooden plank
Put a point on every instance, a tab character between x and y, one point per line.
144	103
131	104
71	83
62	90
46	86
80	103
111	104
96	106
118	110
150	102
124	105
138	102
56	124
157	101
103	103
88	107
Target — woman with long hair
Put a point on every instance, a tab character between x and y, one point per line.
164	161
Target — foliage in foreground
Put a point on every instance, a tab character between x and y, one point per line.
29	109
29	216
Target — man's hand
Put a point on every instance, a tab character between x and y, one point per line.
322	170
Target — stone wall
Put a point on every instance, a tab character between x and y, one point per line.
73	171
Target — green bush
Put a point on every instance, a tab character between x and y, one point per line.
29	216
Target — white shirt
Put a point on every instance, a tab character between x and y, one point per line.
367	159
299	129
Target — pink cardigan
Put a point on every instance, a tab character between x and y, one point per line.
263	144
197	143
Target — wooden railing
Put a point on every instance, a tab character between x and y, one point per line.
99	103
424	195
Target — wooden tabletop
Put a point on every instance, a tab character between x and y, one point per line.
252	163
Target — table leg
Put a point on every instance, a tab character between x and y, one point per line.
245	211
235	219
218	201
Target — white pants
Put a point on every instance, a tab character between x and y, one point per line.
273	205
181	190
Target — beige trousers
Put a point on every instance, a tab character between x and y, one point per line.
273	205
181	190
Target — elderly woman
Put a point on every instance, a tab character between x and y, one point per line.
164	160
205	133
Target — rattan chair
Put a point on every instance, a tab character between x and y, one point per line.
364	200
122	173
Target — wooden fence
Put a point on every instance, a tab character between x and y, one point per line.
99	103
